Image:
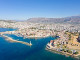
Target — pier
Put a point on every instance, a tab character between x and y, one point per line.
12	40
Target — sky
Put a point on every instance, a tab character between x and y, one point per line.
25	9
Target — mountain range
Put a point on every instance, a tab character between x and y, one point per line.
72	19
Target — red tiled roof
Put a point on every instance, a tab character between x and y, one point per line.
51	41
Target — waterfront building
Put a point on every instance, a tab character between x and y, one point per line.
51	43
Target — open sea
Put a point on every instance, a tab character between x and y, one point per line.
18	51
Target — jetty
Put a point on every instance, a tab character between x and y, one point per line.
7	32
12	40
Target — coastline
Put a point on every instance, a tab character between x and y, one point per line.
29	33
62	48
63	53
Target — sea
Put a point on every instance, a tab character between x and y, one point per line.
18	51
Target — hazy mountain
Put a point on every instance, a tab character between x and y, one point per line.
72	19
10	21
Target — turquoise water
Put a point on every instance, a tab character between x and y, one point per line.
18	51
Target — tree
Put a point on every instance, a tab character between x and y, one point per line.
69	51
76	53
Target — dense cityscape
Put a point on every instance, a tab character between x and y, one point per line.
67	43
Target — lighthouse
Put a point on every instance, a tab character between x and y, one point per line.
30	43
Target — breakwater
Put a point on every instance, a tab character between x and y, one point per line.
12	40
